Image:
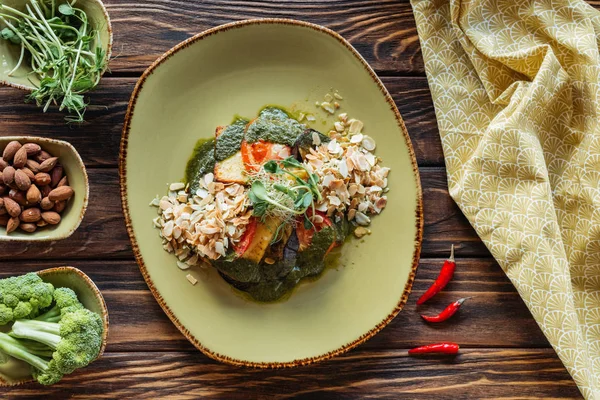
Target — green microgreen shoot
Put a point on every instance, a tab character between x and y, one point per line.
62	49
272	193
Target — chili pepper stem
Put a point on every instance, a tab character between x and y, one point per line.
451	254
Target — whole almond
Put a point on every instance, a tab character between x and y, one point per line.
42	179
41	223
31	215
8	175
18	196
20	158
3	164
12	225
56	174
3	211
42	156
29	173
32	148
10	150
46	204
47	165
13	208
34	195
60	206
1	203
51	217
61	193
45	190
27	227
63	182
4	219
22	180
33	165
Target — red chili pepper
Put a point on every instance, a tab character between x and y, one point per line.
447	313
442	348
442	280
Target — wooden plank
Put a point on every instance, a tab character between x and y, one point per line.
384	32
495	317
102	233
502	373
98	139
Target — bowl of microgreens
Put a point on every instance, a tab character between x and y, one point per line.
56	49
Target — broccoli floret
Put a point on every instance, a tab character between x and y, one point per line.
65	301
23	297
74	342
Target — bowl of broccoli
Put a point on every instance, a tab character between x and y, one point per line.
52	323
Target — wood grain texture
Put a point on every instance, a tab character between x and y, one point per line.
98	139
102	233
495	317
474	374
384	32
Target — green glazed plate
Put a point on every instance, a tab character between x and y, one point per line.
237	69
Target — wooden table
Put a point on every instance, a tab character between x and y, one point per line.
503	354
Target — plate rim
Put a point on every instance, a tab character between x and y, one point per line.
138	256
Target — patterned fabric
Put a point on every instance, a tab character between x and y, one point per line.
516	90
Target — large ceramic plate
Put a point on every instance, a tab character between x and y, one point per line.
237	69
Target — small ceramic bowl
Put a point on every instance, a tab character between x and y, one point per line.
88	295
78	180
10	54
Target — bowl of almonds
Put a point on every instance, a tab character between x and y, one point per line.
44	189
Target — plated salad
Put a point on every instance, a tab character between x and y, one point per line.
267	200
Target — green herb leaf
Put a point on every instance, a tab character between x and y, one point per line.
307	199
66	9
271	167
291	162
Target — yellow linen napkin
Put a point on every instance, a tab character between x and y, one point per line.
515	85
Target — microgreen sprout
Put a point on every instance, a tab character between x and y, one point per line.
62	49
273	193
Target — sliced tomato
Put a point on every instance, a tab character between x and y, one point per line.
256	154
305	236
241	247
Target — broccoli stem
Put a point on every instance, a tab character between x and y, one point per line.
47	333
14	348
52	315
